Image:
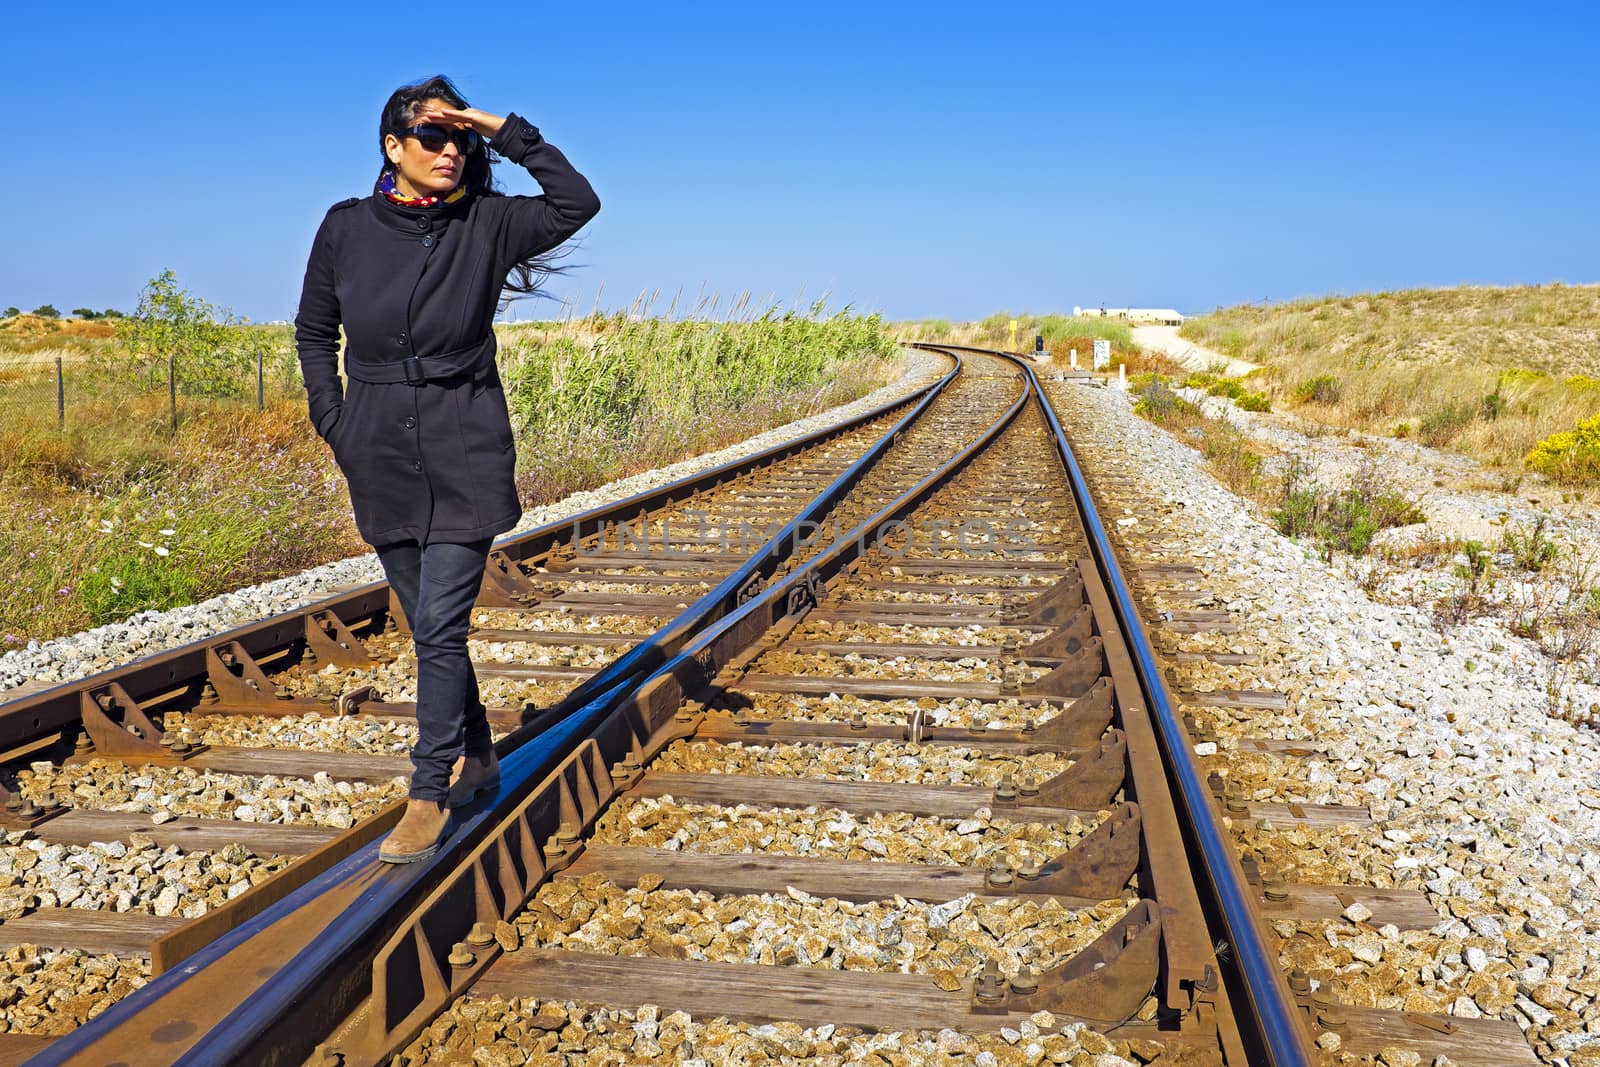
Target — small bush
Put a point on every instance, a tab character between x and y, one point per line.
47	311
1230	456
1402	430
1530	550
1572	456
1158	403
1442	425
1341	520
1323	389
173	328
1491	406
1253	402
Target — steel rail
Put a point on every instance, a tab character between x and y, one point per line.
1280	1033
237	1038
367	893
654	650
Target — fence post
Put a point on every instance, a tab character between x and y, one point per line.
261	388
61	397
172	387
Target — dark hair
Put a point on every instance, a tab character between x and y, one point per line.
400	114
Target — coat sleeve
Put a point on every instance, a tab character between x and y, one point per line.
534	224
316	331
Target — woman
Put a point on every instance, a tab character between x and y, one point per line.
414	274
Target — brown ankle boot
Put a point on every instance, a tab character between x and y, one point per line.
418	834
471	776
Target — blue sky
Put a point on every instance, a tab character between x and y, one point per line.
918	159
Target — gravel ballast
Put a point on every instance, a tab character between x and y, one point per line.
1482	800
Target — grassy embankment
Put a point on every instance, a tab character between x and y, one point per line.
1508	376
115	513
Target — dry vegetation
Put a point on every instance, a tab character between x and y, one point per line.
114	512
1062	334
1489	372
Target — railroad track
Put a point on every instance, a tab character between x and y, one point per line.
910	766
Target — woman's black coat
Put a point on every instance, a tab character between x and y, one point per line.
421	431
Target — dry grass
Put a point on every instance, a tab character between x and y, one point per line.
115	513
1488	372
30	339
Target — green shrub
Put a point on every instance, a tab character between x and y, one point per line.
1572	456
1253	402
1341	520
171	328
1442	425
1530	550
1158	403
1492	405
1323	389
47	311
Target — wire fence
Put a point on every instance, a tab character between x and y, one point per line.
61	392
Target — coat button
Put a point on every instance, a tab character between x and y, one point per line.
427	241
402	338
422	224
411	423
416	465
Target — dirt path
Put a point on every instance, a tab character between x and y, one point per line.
1165	339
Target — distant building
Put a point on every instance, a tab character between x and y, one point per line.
1160	316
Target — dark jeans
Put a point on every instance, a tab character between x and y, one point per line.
436	585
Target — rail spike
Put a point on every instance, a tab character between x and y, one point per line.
1106	982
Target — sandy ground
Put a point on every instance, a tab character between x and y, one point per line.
1165	339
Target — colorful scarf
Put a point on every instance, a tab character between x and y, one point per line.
387	187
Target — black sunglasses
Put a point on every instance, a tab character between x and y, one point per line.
433	138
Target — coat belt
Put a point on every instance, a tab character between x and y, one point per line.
467	360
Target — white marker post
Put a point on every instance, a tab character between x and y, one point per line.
1074	359
1122	377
